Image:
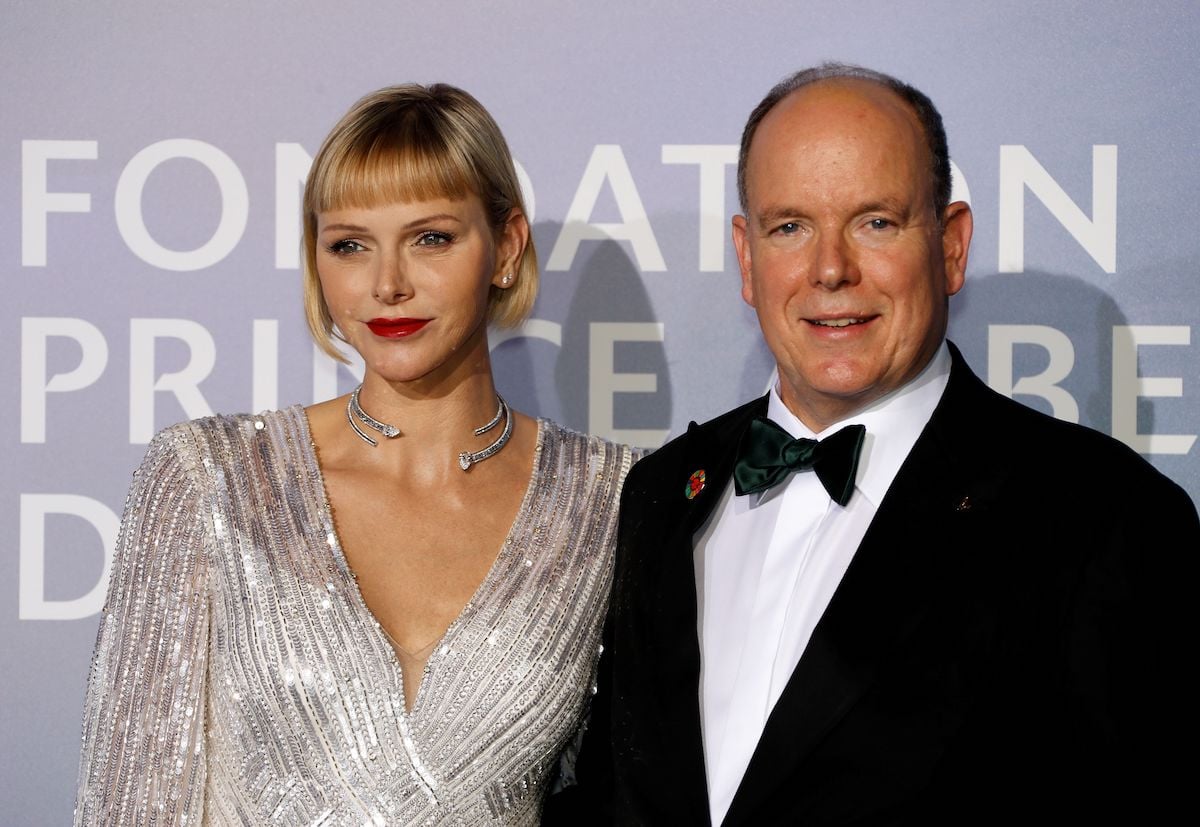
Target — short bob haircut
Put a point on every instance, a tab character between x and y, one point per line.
415	143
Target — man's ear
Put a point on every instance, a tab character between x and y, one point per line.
957	226
741	244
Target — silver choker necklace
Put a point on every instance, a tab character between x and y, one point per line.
355	415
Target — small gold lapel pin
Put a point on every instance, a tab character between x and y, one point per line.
964	504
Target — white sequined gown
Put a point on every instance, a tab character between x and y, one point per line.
239	679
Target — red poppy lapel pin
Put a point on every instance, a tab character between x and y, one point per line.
695	484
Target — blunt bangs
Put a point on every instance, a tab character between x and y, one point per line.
402	162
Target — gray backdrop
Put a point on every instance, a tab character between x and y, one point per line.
151	156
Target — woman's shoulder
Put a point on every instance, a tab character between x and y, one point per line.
210	441
224	426
594	447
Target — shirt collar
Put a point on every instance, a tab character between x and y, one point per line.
893	424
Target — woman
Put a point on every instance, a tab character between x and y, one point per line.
384	608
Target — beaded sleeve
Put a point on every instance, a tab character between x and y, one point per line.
143	757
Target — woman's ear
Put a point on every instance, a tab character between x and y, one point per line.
511	240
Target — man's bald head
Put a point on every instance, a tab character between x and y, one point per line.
926	113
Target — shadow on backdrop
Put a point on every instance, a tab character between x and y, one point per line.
1076	319
564	380
523	360
609	290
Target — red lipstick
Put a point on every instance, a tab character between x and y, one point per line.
396	328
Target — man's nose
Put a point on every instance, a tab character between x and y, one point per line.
835	263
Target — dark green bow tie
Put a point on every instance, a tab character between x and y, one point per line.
768	453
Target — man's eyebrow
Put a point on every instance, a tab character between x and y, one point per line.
885	205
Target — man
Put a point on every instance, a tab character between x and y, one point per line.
950	609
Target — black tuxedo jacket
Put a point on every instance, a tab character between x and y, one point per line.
1011	642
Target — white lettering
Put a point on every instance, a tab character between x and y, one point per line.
1001	341
35	333
713	159
526	184
32	601
530	329
292	163
607	164
604	382
1127	386
1098	235
184	383
235	205
37	202
265	365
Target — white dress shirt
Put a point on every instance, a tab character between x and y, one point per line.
768	564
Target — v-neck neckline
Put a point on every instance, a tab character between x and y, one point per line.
500	565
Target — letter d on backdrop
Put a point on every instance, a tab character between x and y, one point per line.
34	509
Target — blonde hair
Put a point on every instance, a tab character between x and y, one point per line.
414	143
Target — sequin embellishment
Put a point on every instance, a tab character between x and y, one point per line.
239	679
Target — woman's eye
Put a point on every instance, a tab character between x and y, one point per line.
432	238
345	247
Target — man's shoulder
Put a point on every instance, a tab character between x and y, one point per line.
717	431
1091	459
1063	454
1015	425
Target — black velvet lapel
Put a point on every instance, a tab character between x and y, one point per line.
711	449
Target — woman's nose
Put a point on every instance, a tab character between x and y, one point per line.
391	285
